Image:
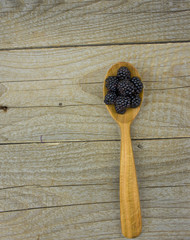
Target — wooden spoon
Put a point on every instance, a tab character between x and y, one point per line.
130	212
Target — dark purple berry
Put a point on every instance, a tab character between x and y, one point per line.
110	98
121	104
135	101
111	83
137	84
123	73
119	110
125	88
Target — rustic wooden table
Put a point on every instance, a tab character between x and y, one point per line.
59	161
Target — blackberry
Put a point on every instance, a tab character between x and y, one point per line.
110	98
125	88
120	111
111	83
135	101
121	104
123	73
138	84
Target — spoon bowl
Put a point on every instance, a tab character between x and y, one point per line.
130	212
131	113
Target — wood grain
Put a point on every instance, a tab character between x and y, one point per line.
59	147
130	210
36	23
92	222
34	83
85	164
71	190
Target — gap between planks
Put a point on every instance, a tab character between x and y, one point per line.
88	184
77	204
86	141
56	206
94	45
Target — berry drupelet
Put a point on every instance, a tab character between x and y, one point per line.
137	84
123	73
110	98
125	88
111	83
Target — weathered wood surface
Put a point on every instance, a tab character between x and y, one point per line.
91	222
26	23
67	186
71	190
35	82
160	163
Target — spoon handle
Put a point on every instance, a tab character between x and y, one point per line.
130	212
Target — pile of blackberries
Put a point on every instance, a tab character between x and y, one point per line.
123	91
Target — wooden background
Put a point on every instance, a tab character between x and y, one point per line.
59	147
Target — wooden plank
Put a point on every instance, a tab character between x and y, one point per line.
35	82
28	198
54	23
165	64
74	123
159	163
92	222
96	221
71	190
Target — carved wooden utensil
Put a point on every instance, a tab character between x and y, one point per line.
130	212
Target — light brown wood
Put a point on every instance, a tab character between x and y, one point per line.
59	147
91	222
130	212
35	82
52	164
26	23
49	190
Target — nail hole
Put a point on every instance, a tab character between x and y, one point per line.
140	146
4	108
